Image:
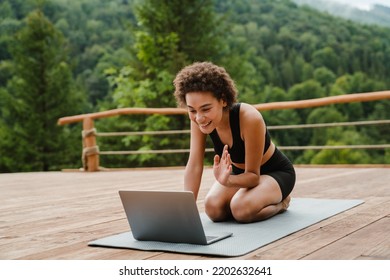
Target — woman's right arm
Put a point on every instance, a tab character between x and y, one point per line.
194	168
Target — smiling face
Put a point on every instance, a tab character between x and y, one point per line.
205	110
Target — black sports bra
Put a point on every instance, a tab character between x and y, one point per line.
237	151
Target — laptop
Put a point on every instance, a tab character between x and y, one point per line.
167	216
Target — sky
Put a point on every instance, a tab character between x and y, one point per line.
363	4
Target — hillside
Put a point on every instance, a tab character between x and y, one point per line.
378	14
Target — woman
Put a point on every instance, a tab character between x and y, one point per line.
253	178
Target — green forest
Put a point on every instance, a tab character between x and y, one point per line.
377	14
61	58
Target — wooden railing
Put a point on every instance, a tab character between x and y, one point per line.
91	150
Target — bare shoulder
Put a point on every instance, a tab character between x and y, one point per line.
251	122
248	113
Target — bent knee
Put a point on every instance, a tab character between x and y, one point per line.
241	211
216	209
242	215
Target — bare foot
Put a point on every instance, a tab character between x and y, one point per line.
285	204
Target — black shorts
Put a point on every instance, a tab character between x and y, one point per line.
280	168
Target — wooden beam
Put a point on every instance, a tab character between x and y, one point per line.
317	102
122	111
299	104
90	156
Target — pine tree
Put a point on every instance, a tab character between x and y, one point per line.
169	35
40	91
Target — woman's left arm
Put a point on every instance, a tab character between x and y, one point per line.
253	130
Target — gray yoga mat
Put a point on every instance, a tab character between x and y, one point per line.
302	213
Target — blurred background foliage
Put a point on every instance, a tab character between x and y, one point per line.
63	57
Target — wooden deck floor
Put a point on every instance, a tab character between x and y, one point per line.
53	215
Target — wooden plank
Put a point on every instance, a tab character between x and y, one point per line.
41	222
369	241
53	215
379	252
304	244
349	183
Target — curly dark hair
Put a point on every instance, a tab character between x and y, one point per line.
205	77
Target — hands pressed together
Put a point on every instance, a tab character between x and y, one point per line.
222	167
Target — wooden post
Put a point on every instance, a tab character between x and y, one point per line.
90	156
